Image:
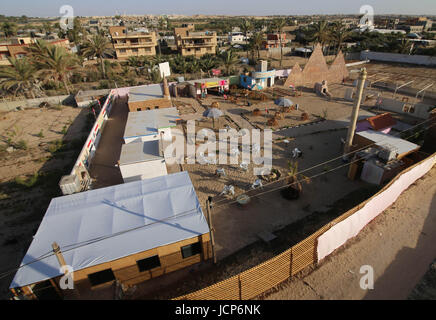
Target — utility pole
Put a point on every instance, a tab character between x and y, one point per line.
212	230
355	114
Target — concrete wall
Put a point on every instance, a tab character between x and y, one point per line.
276	51
149	104
6	106
421	111
126	270
399	58
347	229
143	170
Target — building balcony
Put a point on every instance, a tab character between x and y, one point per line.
134	45
198	45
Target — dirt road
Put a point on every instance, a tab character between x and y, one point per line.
399	245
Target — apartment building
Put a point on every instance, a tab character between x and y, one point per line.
191	43
131	44
17	48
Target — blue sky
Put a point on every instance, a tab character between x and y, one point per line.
45	8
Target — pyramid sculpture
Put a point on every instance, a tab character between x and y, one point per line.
338	70
295	76
316	70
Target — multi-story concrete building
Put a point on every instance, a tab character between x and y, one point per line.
273	40
131	44
17	48
190	43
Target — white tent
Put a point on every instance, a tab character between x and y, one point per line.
107	224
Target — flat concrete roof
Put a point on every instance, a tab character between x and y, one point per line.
385	140
145	93
140	152
145	123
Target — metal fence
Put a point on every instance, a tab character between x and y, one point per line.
263	277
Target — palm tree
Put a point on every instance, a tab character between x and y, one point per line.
98	45
405	46
256	42
279	24
229	59
339	34
320	33
208	62
9	29
19	76
180	64
195	66
47	26
246	26
57	65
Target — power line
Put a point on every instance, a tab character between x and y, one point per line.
92	241
308	178
185	213
334	159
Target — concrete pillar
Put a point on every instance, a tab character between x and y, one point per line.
355	114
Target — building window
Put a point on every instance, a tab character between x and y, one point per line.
191	250
101	277
148	263
138	109
156	107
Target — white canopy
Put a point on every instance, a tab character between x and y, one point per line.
103	225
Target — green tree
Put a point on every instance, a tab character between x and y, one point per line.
256	42
229	60
97	46
53	63
9	29
47	26
180	64
320	32
278	25
19	77
339	34
208	62
246	27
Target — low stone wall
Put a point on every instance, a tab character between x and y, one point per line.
6	106
398	58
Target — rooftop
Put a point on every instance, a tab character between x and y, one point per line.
126	219
144	123
382	121
140	152
385	140
144	93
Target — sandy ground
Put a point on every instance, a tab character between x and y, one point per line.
21	208
399	245
26	125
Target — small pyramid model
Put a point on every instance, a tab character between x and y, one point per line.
316	70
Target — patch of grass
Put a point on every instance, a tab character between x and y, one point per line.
64	130
55	146
21	145
28	182
40	134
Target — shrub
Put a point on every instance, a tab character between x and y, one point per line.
40	134
29	182
22	145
